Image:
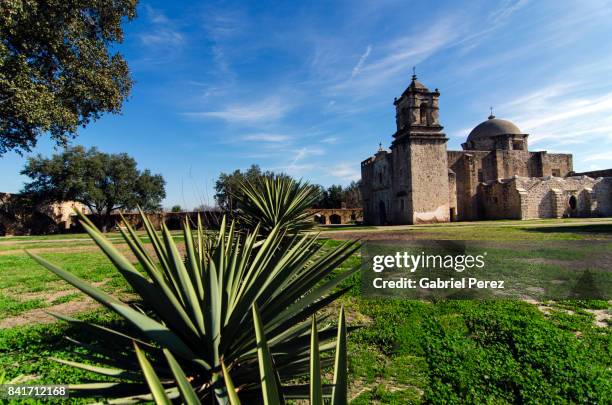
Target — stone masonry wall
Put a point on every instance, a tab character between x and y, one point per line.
547	197
429	180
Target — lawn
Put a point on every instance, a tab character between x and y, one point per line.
446	351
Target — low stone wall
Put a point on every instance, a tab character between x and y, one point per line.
328	216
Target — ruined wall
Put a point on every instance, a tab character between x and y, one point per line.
500	199
602	197
547	197
562	163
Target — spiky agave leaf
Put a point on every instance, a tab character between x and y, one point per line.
339	393
198	304
270	391
316	388
280	201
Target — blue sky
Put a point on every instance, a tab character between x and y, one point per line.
307	87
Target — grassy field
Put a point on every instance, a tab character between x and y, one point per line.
406	352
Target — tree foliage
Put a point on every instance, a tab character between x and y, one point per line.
228	185
57	71
103	182
336	196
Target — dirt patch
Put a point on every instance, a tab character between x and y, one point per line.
603	317
360	386
50	296
40	315
545	309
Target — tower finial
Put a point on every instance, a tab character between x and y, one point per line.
380	148
491	116
414	73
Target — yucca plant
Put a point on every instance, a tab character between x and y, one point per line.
271	391
279	201
198	307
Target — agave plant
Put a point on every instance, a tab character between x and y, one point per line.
279	201
271	391
198	307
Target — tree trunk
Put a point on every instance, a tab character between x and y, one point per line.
106	221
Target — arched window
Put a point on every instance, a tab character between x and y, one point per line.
423	114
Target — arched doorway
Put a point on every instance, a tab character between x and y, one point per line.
319	219
335	219
573	205
382	213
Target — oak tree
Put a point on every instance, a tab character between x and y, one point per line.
101	181
58	68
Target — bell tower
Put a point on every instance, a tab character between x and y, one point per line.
420	169
416	111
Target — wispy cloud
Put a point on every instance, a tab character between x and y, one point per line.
344	171
331	140
162	32
397	57
266	137
598	156
507	8
361	61
562	113
267	110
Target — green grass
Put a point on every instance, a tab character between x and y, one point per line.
548	229
410	352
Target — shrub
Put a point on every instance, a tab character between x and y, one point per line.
198	307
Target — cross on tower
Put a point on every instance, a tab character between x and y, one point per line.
491	116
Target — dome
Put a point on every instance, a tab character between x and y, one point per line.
493	127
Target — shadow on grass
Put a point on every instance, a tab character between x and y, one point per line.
604	229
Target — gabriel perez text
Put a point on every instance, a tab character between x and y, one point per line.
438	283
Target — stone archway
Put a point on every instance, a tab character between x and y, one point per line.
572	203
335	219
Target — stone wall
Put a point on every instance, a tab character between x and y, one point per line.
546	197
500	200
376	175
429	180
331	216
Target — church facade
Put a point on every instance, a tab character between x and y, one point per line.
494	176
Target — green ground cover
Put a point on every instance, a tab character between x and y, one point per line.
406	352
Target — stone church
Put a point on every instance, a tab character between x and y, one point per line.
495	176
